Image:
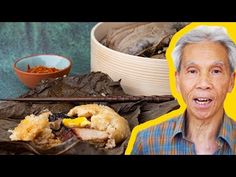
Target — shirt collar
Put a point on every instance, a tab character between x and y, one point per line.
180	126
226	130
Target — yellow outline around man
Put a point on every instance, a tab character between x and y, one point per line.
205	61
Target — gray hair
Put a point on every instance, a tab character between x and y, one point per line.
201	33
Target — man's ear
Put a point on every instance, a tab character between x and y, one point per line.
231	82
177	79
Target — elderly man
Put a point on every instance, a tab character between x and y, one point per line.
205	61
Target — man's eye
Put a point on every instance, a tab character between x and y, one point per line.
192	71
216	71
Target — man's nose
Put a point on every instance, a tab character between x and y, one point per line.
204	82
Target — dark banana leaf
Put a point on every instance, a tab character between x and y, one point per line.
92	84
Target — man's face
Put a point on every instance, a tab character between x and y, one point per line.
204	78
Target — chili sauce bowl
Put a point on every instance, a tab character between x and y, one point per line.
31	80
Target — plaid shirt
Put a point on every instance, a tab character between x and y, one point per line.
169	138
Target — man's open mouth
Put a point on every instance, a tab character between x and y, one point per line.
202	101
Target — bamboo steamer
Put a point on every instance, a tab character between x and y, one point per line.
139	75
